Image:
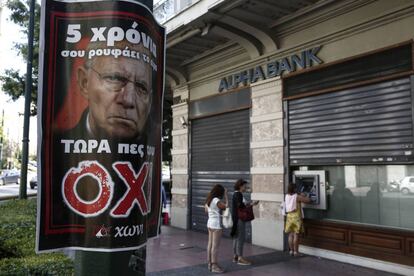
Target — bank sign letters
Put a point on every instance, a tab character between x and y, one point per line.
100	111
305	59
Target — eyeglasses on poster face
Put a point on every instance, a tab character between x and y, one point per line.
116	82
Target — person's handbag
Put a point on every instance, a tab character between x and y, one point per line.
226	218
282	209
245	214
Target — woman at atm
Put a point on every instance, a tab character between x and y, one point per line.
294	222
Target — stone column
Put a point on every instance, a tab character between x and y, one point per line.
267	162
179	152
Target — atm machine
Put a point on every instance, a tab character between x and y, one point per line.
313	184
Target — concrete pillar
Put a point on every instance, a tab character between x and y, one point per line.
267	162
179	206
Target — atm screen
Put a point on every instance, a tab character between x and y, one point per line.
308	184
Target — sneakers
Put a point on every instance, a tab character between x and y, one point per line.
243	261
235	258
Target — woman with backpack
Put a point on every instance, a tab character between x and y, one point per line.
214	205
294	216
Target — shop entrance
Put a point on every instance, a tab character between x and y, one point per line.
219	155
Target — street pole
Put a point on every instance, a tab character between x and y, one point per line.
28	99
125	263
1	140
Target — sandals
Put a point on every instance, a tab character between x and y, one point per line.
297	254
216	269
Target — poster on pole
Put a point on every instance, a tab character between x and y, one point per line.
100	116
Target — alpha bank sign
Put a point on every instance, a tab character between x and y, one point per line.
304	59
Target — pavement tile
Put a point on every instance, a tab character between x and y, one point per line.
180	253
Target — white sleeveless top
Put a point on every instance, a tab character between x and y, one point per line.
290	202
214	214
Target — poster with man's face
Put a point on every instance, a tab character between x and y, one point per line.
100	112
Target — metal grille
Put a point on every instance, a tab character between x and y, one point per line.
365	125
219	155
379	64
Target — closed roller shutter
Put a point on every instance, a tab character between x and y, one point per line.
219	155
365	125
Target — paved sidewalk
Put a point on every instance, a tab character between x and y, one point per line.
182	253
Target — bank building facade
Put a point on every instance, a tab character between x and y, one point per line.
319	93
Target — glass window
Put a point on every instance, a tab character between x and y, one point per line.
377	195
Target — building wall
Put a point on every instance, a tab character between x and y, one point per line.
179	152
1	12
358	29
267	162
345	29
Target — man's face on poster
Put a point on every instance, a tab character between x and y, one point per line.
119	91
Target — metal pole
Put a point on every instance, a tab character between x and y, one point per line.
28	99
124	263
1	140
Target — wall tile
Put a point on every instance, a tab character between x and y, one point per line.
267	210
267	157
180	142
180	181
179	201
266	104
267	183
267	131
180	161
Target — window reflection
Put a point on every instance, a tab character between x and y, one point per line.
378	195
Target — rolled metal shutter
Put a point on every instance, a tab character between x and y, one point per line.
219	155
364	125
